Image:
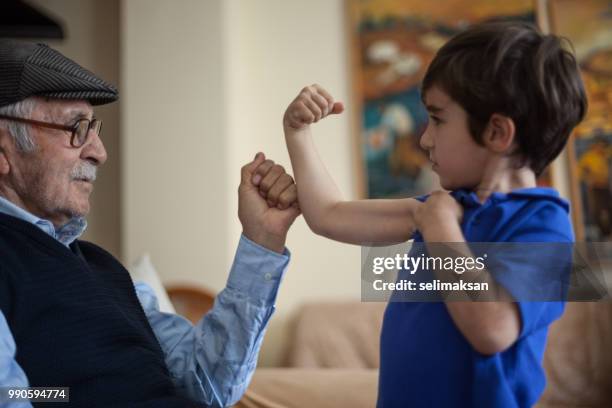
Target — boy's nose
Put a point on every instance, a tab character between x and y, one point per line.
426	141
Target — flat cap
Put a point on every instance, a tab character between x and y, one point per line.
28	69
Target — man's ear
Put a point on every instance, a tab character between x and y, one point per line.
5	166
499	134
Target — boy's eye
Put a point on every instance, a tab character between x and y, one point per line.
436	120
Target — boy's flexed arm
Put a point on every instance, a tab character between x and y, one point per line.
325	211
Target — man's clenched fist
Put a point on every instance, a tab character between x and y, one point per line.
267	203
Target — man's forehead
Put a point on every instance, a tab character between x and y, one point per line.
65	108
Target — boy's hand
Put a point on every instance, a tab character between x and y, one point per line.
435	213
311	105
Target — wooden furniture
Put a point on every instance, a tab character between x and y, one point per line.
191	302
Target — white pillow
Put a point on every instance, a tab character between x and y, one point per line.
143	270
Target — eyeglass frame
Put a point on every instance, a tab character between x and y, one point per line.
73	129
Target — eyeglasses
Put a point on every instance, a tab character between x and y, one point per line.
79	131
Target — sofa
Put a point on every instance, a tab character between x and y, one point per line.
333	358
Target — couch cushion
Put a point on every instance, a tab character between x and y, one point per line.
301	388
578	358
337	335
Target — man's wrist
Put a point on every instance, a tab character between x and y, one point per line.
256	273
268	241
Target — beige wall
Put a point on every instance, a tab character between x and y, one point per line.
205	86
91	30
174	197
279	47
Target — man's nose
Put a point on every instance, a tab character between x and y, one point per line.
94	150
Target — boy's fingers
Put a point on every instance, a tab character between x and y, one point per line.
298	119
261	171
321	91
299	113
312	107
334	107
337	108
247	170
322	103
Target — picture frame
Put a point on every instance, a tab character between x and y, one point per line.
589	149
391	45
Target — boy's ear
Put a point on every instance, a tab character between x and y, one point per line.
499	133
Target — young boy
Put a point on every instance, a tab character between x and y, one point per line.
502	100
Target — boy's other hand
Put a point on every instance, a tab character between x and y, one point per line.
312	104
439	209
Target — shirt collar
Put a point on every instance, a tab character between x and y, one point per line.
66	234
469	198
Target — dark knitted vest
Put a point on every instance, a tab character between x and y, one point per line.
77	322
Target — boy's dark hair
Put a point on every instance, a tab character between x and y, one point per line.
512	69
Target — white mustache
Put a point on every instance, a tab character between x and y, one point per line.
85	171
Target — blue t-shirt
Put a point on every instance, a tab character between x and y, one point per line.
426	361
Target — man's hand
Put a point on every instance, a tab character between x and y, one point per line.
439	213
311	105
267	203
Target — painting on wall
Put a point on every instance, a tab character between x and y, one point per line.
393	42
588	25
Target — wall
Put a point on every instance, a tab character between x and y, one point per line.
174	158
205	86
277	48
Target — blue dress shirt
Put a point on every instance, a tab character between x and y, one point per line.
211	362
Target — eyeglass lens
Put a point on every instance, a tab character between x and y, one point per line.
82	129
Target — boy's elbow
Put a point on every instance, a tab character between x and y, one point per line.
495	339
317	226
318	221
491	346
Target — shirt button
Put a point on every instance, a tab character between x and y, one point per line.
268	276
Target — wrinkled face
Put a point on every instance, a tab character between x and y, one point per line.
457	159
55	180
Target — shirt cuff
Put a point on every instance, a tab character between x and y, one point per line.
257	271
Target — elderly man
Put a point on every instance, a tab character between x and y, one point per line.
70	316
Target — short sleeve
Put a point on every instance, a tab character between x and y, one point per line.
542	246
538	315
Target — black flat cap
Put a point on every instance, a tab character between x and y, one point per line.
28	69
